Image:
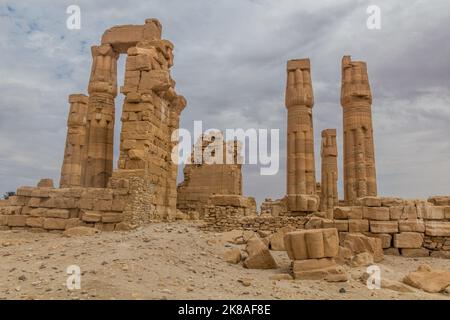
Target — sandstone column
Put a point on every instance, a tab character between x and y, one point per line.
75	141
329	196
301	179
176	107
100	119
359	157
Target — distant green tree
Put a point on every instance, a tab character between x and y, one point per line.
8	194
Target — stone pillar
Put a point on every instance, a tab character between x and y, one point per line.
359	157
301	179
150	115
176	107
100	120
329	192
75	141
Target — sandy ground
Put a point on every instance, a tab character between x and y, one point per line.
166	261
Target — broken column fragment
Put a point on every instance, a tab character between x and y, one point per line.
329	172
75	142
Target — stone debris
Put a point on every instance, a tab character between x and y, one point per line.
312	253
389	284
427	279
259	256
276	240
360	244
232	256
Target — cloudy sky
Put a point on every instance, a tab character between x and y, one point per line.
230	61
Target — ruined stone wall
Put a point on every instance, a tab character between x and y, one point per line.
406	227
280	207
227	213
209	177
143	189
274	208
150	115
227	218
49	209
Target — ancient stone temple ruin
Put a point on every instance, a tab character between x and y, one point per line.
359	154
211	174
143	188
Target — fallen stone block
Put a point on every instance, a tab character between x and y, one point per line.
359	243
429	280
259	256
319	269
362	259
276	240
232	256
312	243
389	284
